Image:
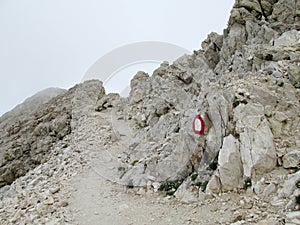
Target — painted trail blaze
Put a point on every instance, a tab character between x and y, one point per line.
198	125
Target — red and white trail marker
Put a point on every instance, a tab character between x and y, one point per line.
198	125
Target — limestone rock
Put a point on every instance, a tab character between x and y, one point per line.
257	144
28	139
290	185
293	215
219	107
270	189
185	194
285	15
293	73
268	222
230	164
212	45
107	101
214	185
31	104
291	159
288	38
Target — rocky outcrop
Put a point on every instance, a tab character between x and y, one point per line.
245	85
31	104
253	109
257	142
26	139
230	163
290	190
249	40
41	196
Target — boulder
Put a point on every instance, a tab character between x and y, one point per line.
291	159
256	139
186	194
290	185
214	185
288	38
107	101
294	74
219	108
230	164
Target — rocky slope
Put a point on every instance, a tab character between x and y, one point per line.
245	83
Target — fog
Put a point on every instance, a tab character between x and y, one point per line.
53	43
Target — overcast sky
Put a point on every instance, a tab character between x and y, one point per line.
52	43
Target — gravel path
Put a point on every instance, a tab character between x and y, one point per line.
101	199
78	185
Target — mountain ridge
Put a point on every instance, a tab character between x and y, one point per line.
244	83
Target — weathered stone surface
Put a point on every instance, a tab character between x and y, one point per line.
27	140
252	49
31	104
293	215
164	109
288	38
214	185
185	194
257	144
290	185
291	159
107	101
285	15
230	164
263	155
294	74
219	107
268	222
212	46
270	189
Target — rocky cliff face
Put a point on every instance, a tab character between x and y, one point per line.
32	128
245	83
241	82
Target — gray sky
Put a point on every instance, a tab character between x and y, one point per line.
52	43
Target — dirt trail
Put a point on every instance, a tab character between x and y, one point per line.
100	199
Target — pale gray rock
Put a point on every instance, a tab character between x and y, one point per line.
269	190
186	194
263	96
257	144
263	154
298	143
289	185
291	159
259	186
219	107
27	140
212	46
214	185
107	101
285	15
293	73
288	38
164	117
230	165
268	222
293	215
31	104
